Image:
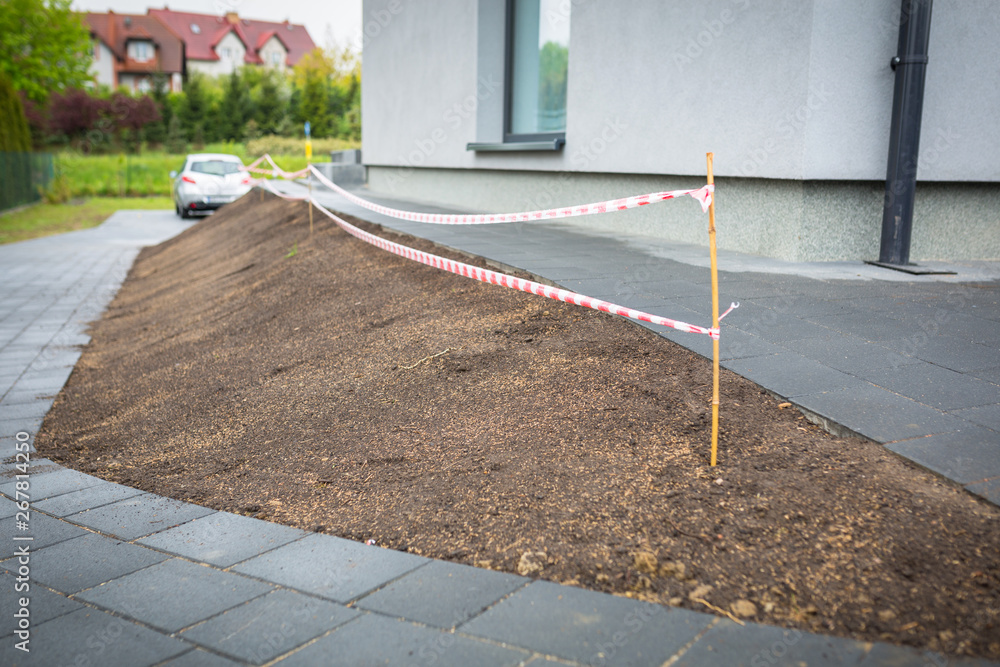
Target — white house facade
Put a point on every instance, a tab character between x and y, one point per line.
794	97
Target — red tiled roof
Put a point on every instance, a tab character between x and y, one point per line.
116	29
211	29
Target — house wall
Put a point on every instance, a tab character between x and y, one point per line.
271	47
102	67
793	97
223	65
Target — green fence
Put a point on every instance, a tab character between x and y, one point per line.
23	177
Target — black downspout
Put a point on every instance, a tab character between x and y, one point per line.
910	66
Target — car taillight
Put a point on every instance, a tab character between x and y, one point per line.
188	179
246	180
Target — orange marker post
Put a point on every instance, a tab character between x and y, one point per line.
715	316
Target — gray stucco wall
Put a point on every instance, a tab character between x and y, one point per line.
787	89
793	220
793	97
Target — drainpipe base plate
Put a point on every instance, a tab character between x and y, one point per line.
914	269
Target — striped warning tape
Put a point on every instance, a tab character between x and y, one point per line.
702	194
495	278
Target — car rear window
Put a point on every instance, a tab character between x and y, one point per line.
216	167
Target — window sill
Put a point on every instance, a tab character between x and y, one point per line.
544	145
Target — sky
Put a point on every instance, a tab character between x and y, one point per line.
324	19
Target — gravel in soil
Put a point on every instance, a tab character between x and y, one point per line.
319	382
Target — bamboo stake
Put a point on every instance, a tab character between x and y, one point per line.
715	316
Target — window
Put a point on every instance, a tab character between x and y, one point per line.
276	58
140	51
215	167
537	68
195	28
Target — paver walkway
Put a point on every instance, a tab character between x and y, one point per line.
122	577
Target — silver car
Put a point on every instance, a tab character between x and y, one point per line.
208	181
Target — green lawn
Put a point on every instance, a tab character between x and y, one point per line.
148	173
47	219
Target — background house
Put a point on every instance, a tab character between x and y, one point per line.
463	105
129	49
220	44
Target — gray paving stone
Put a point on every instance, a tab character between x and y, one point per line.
948	351
789	374
879	414
87	561
43	529
935	386
887	655
11	468
199	658
969	455
22	398
139	516
90	637
791	328
734	646
269	626
11	427
91	497
864	324
377	640
33	410
43	604
989	489
223	539
54	483
589	627
984	415
442	594
7	508
48	384
174	594
849	353
989	374
330	567
736	344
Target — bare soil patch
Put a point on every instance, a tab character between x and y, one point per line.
341	389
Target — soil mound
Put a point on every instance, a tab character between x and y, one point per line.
319	382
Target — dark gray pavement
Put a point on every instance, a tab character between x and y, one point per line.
116	576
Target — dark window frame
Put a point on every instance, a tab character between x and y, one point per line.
555	138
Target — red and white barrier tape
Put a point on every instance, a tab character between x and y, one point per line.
494	278
702	194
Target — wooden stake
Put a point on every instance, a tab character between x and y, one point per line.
715	316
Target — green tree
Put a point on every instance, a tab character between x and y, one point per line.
156	131
234	109
270	104
195	108
176	141
15	135
44	47
314	106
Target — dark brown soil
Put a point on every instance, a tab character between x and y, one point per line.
341	389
